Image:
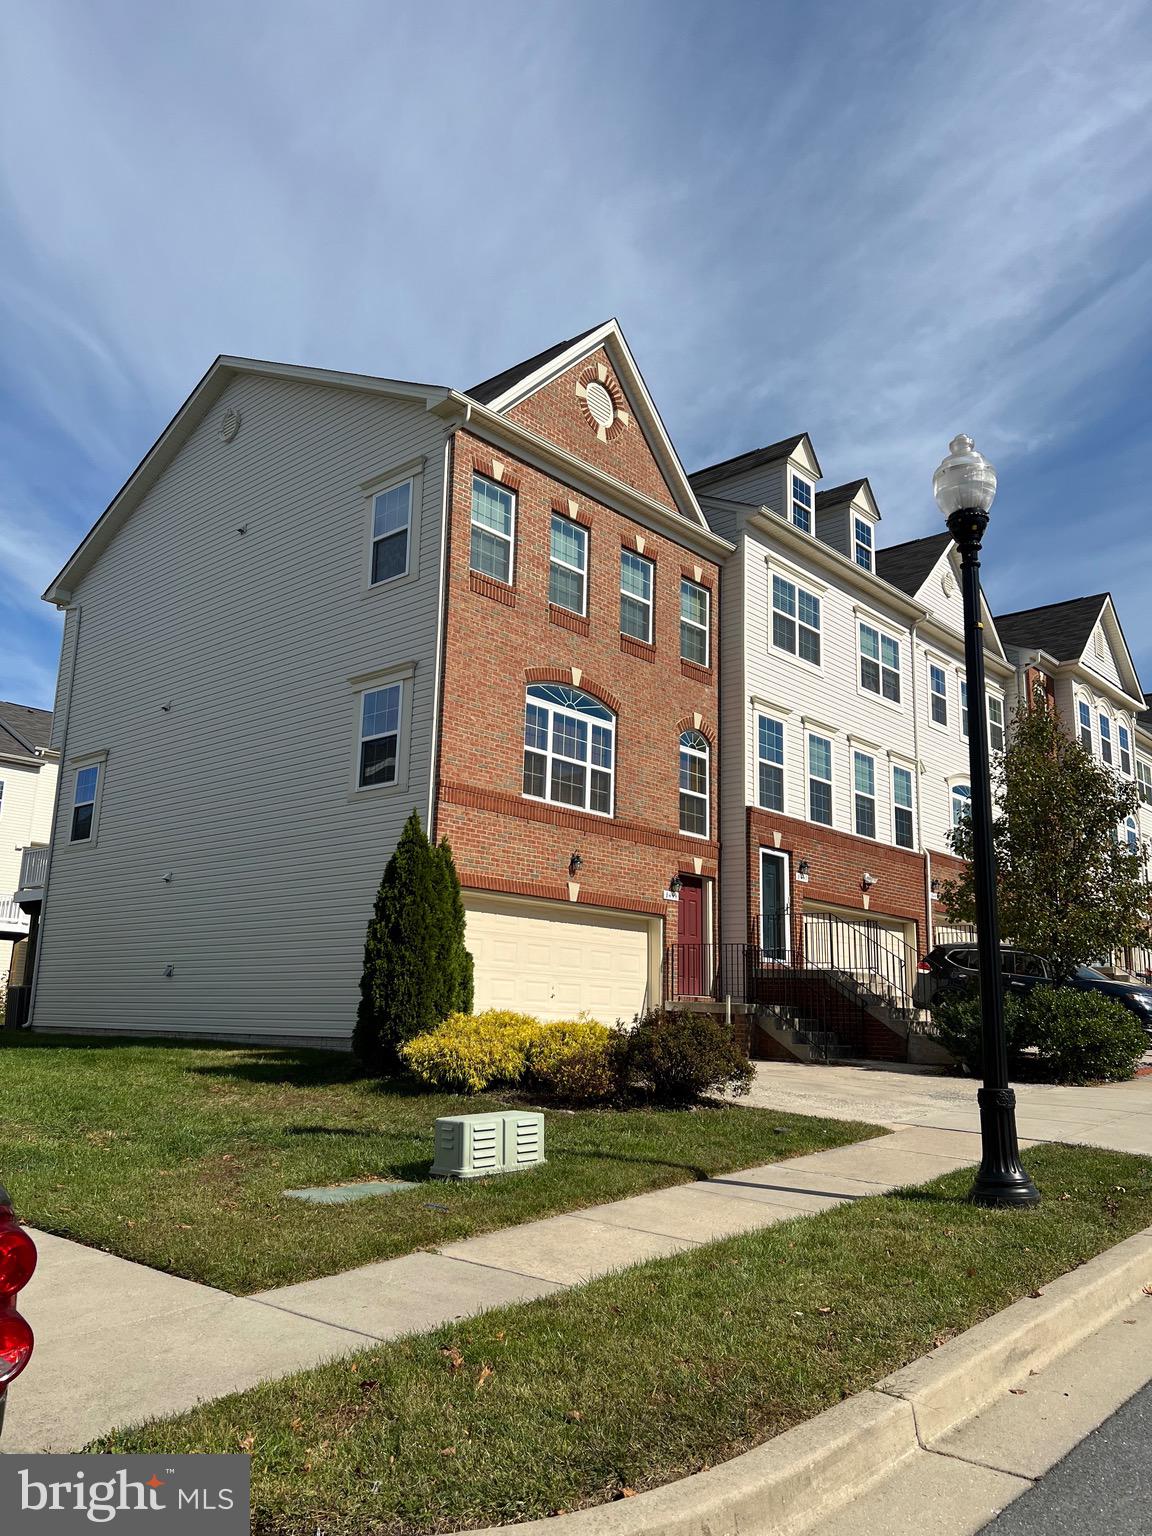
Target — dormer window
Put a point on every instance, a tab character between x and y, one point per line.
862	543
801	504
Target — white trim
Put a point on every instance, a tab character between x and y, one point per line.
78	765
401	676
706	754
786	917
911	809
869	757
508	538
412	474
581	571
692	624
795	620
759	714
794	476
548	754
810	777
648	602
882	633
931	665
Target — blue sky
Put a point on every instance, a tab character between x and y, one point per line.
882	223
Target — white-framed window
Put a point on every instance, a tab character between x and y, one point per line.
770	763
995	723
1084	715
801	503
636	596
1125	749
695	613
1131	835
820	780
795	620
937	694
903	826
964	708
879	663
391	531
1105	738
381	714
569	748
85	789
493	528
961	803
862	542
864	793
1144	780
694	784
568	565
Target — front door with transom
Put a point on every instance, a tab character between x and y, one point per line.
775	939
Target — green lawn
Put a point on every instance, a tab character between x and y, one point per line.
653	1373
178	1156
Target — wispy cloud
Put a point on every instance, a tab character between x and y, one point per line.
880	223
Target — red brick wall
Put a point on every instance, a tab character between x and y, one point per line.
499	638
837	863
555	412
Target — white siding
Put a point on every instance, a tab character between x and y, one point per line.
733	924
1106	664
213	668
830	698
25	818
943	749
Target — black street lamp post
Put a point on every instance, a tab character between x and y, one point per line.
964	486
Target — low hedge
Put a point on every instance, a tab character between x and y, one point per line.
1076	1037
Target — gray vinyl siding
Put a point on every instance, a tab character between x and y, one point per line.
214	669
765	486
835	528
64	679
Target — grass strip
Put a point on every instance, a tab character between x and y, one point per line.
177	1155
653	1373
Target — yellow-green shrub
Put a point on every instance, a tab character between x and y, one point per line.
472	1051
576	1060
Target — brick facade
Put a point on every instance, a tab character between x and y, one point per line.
556	412
837	862
499	638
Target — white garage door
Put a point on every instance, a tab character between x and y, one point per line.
555	961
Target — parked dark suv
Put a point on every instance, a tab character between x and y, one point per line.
957	965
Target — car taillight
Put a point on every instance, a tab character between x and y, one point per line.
17	1263
924	967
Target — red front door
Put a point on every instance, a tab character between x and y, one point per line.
690	928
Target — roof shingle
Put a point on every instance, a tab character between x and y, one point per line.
24	731
909	565
491	389
1061	629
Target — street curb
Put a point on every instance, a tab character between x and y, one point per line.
788	1482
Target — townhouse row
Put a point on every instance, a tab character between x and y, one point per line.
656	715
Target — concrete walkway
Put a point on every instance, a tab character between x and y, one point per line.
1114	1115
117	1342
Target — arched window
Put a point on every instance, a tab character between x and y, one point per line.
961	803
694	784
569	748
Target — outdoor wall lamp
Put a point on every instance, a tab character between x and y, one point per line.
675	884
868	881
935	887
575	865
964	486
802	870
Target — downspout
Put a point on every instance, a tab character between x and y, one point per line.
929	927
441	639
60	774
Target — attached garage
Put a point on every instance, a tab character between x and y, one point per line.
557	960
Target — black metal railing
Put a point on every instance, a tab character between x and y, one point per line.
833	982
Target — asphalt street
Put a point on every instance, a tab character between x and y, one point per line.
1102	1486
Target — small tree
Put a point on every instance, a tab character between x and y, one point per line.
416	971
1067	887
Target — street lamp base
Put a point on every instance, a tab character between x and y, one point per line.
1001	1180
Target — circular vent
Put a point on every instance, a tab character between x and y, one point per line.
600	404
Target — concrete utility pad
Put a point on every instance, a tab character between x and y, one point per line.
340	1194
408	1295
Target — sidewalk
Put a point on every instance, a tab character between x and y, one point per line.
118	1342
